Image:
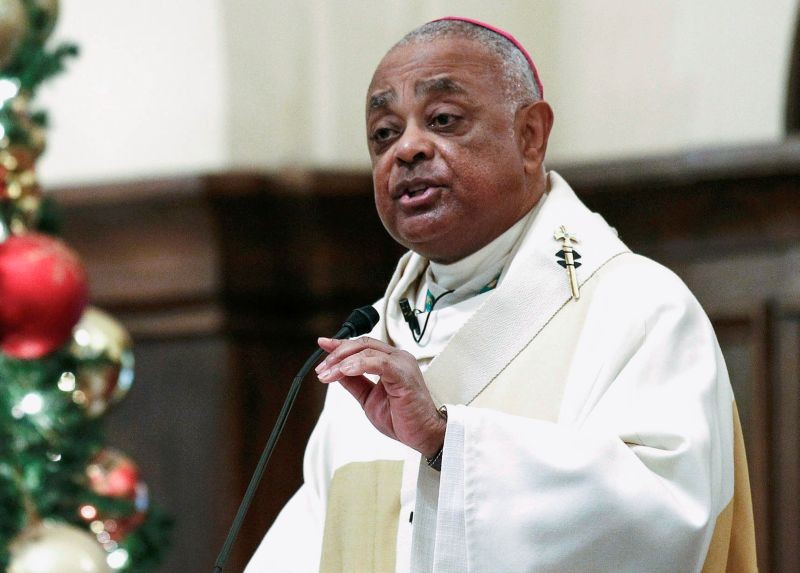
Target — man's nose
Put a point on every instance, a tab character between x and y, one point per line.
414	146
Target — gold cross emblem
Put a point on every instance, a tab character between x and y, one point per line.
567	258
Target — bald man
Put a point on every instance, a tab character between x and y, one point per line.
535	396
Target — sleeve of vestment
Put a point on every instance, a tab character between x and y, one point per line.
294	542
633	474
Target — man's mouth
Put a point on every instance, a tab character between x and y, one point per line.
419	197
415	189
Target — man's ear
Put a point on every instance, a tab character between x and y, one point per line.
535	121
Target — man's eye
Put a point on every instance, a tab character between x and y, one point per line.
443	120
382	134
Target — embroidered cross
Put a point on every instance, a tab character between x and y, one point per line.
567	258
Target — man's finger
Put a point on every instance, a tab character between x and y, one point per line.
328	344
359	386
347	348
371	361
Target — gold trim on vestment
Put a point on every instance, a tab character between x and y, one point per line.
362	518
733	545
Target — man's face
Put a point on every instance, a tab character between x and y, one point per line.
447	161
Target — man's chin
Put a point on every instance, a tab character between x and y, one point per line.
438	250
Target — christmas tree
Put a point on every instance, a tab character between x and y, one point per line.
68	502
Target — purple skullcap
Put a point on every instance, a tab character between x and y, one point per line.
508	37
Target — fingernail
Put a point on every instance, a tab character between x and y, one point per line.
321	366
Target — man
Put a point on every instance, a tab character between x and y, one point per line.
553	402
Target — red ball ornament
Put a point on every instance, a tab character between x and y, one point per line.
111	473
114	474
43	291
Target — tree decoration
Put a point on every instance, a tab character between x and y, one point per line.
68	502
13	26
113	474
44	17
19	190
43	291
33	63
52	546
104	352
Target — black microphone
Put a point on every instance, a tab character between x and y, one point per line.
361	321
410	317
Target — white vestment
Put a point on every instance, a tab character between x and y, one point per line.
597	434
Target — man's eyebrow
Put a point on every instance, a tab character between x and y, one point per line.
381	100
438	85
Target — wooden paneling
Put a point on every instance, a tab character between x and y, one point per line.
785	477
226	280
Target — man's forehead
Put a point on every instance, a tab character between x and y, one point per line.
440	84
436	66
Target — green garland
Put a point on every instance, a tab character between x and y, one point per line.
33	63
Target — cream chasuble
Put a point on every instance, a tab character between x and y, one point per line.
590	435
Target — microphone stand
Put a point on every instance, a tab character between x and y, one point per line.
354	324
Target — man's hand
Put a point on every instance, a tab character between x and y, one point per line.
399	405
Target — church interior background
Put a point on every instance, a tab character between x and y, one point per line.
203	152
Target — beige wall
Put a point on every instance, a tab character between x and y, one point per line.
193	85
147	95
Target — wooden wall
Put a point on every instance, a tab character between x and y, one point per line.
226	280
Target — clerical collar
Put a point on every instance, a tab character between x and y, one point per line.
475	274
455	275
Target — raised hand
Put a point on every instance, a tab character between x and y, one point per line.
399	405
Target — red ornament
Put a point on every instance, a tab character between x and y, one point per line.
114	474
111	473
43	291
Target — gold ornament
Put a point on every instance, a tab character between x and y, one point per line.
19	189
37	139
105	368
30	138
20	105
55	547
49	11
22	157
13	26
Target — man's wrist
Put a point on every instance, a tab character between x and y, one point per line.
435	460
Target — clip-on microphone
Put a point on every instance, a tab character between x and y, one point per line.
410	316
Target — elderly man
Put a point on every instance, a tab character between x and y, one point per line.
535	397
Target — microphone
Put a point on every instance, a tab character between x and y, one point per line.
410	317
361	321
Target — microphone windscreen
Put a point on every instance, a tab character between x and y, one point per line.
361	320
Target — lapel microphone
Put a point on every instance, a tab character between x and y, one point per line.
410	317
410	314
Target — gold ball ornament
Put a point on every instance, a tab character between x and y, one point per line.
55	547
105	361
13	27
